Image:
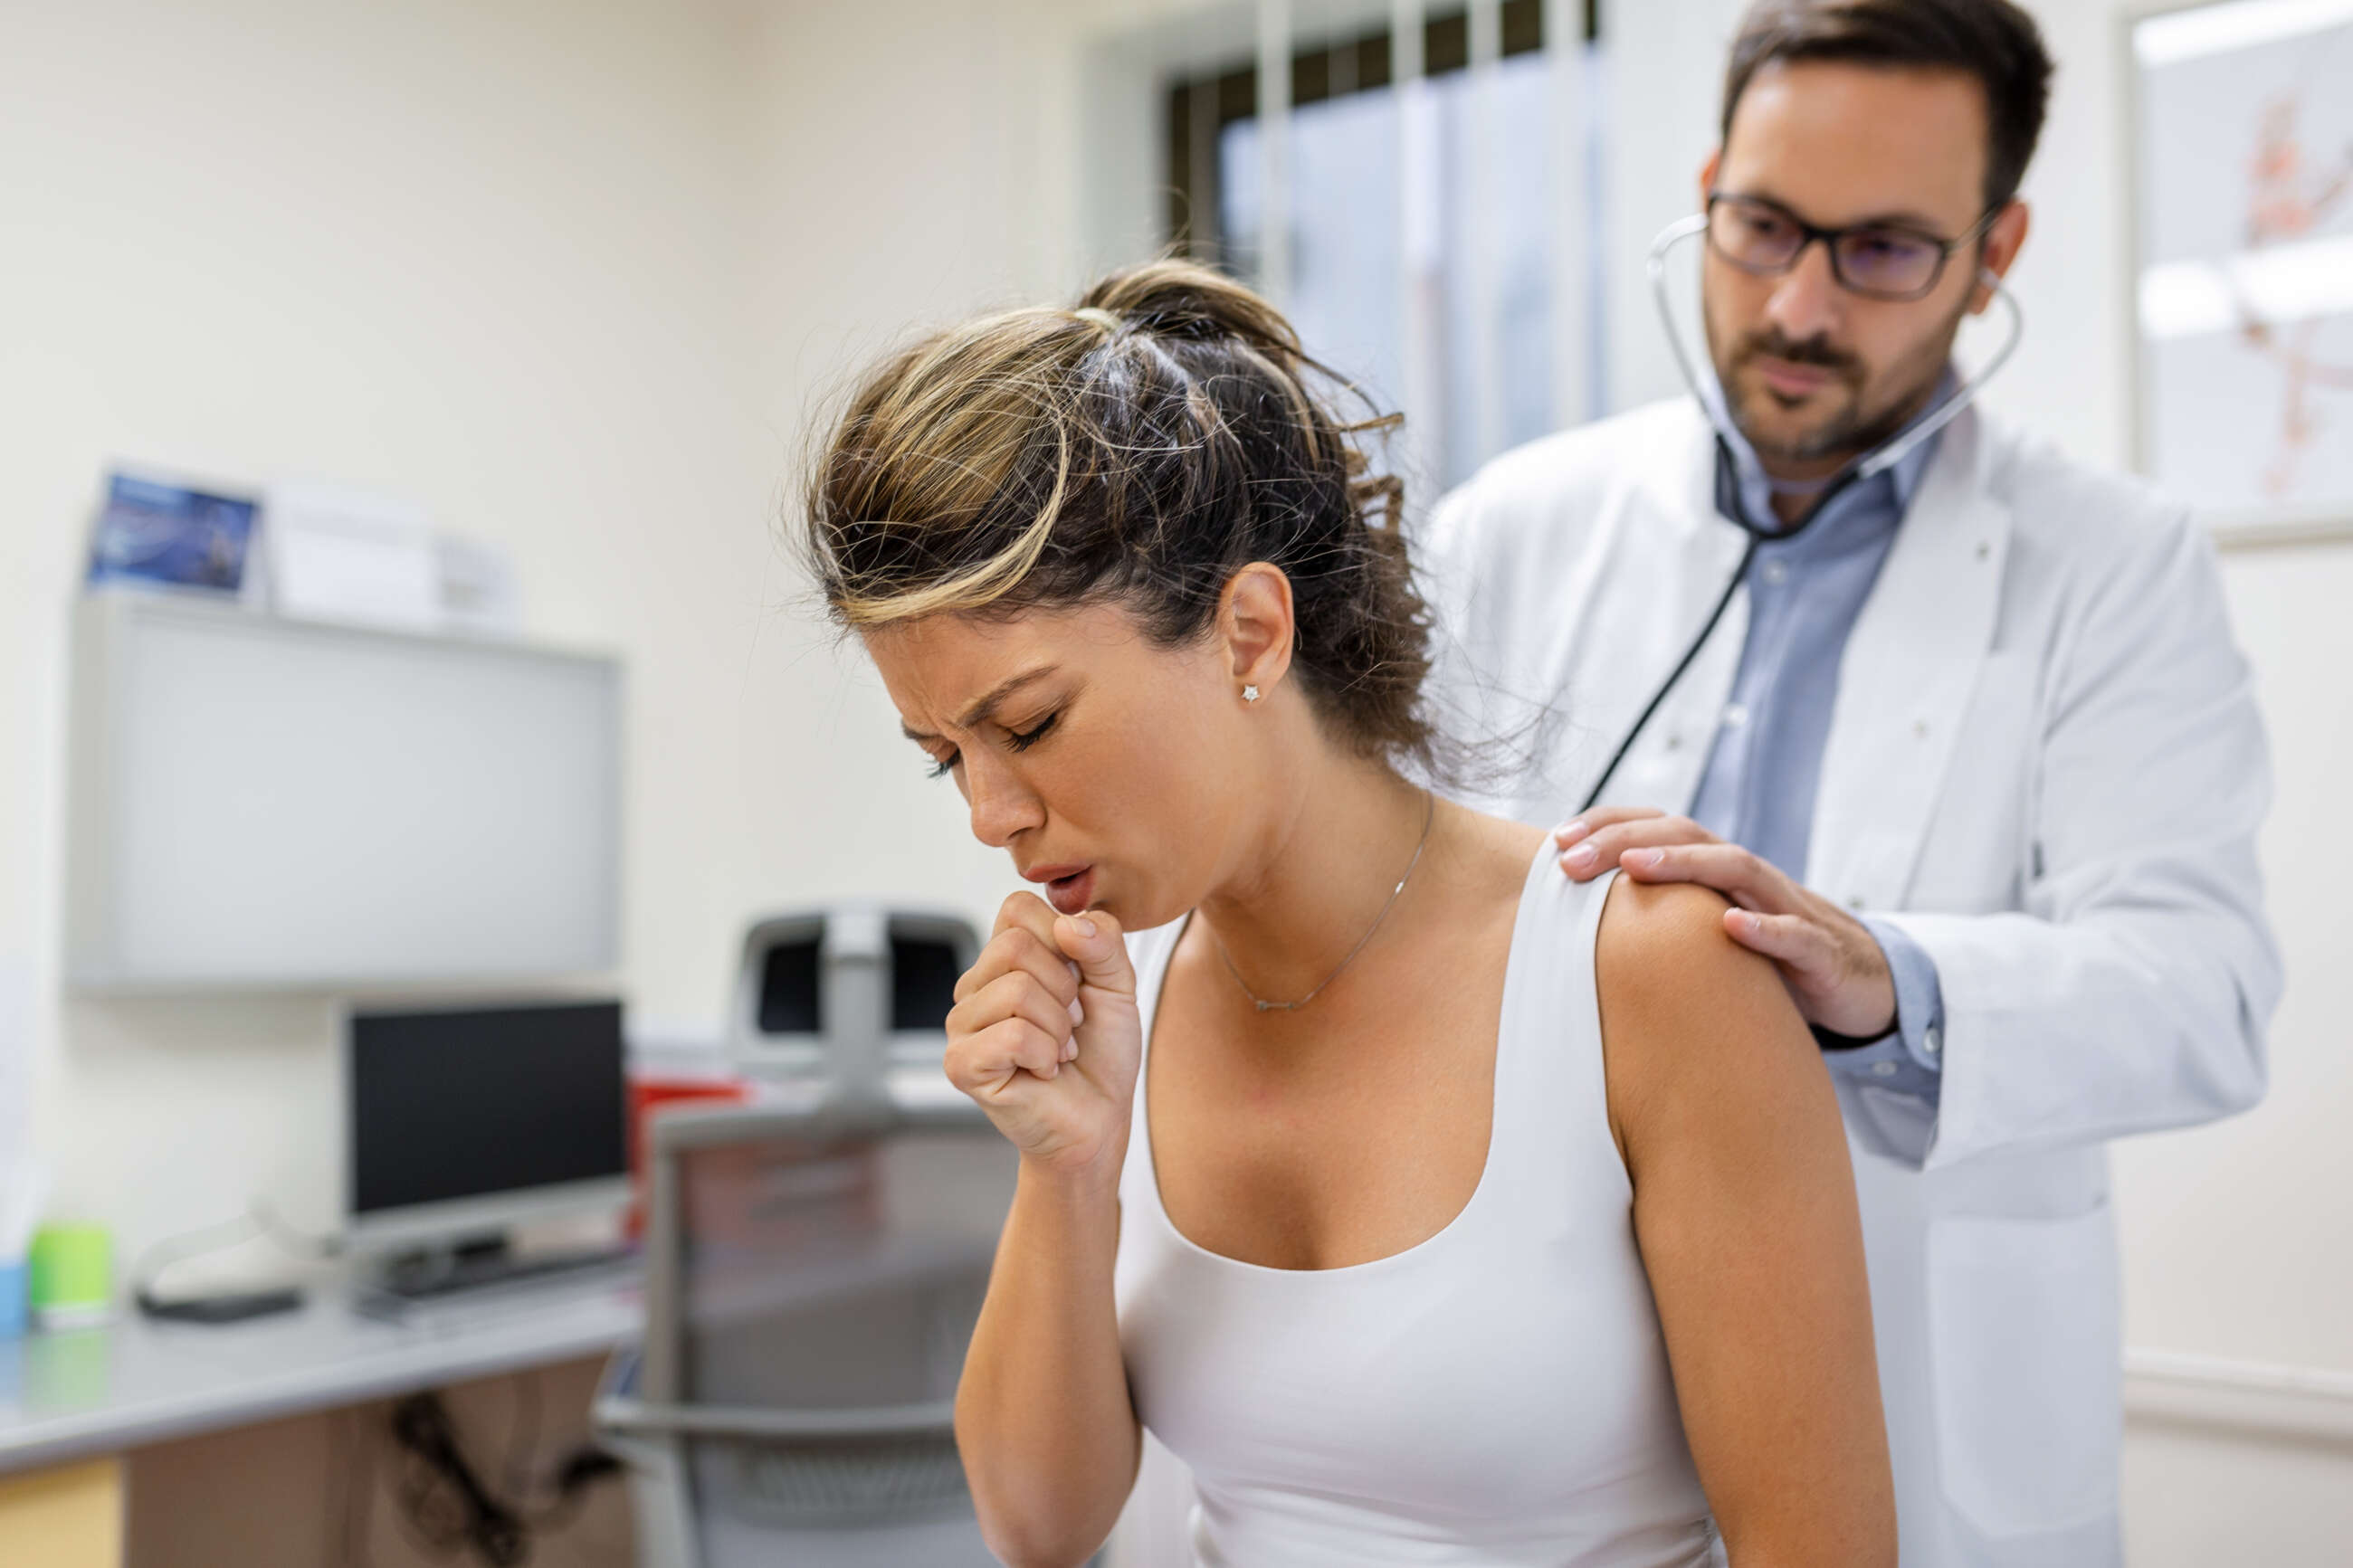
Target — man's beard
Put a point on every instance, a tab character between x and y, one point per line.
1850	430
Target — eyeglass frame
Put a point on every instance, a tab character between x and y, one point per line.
1809	232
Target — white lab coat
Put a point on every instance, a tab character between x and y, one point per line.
2045	764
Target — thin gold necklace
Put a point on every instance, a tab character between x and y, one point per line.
1429	815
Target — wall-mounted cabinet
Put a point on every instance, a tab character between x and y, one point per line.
265	803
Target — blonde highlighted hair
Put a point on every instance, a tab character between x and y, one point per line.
1140	448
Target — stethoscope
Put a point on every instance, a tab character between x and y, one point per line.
1730	501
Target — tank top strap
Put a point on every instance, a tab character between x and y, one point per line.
1148	951
1552	1100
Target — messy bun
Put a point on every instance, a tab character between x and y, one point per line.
1141	448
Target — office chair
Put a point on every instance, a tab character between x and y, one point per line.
812	1279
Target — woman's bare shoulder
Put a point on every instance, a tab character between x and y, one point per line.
1693	1024
1651	929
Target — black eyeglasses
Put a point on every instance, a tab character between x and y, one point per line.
1876	261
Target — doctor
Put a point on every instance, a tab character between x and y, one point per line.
1957	724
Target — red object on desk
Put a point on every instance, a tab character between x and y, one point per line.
645	1094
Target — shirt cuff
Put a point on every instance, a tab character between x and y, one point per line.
1909	1059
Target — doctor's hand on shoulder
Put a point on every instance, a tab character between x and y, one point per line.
1045	1036
1833	966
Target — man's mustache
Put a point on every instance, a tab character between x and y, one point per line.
1816	350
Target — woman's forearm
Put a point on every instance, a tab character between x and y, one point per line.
1048	1437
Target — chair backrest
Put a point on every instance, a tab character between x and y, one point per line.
819	1263
812	1279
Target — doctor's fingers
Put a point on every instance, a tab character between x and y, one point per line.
1018	950
1608	847
1798	944
1598	817
1748	881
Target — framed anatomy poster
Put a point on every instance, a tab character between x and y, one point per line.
2241	127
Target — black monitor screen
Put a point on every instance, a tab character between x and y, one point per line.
923	976
790	992
466	1104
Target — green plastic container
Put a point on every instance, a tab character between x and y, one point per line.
72	1269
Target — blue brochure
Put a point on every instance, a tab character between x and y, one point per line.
151	532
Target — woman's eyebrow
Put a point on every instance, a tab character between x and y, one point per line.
980	710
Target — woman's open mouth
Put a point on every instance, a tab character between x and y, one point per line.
1070	888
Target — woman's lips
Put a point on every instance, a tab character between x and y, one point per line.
1072	890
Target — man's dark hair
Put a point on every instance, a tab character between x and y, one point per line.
1991	41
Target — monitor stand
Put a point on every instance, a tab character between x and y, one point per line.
484	1263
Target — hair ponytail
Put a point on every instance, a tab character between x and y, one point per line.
1142	446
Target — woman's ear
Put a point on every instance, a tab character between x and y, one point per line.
1255	619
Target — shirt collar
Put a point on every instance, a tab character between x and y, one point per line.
1904	479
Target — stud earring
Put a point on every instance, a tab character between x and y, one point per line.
1250	693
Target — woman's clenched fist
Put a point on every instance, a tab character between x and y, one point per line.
1045	1037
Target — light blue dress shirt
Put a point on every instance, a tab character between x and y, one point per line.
1765	766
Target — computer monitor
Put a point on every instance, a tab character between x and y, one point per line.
463	1123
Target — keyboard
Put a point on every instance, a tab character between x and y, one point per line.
442	1280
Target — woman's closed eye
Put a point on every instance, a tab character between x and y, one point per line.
1018	739
1022	740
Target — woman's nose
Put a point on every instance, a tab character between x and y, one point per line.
1002	805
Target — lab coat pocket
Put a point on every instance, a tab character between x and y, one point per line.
2029	1374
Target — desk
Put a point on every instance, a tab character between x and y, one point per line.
71	1403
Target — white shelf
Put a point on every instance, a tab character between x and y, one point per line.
262	803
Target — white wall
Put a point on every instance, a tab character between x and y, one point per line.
566	274
911	163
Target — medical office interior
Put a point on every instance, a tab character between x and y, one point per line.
507	757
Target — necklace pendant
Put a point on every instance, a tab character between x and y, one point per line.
1429	816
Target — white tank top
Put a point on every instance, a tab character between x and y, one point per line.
1495	1395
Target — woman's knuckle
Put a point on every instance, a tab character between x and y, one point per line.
1025	995
1054	991
1046	1046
